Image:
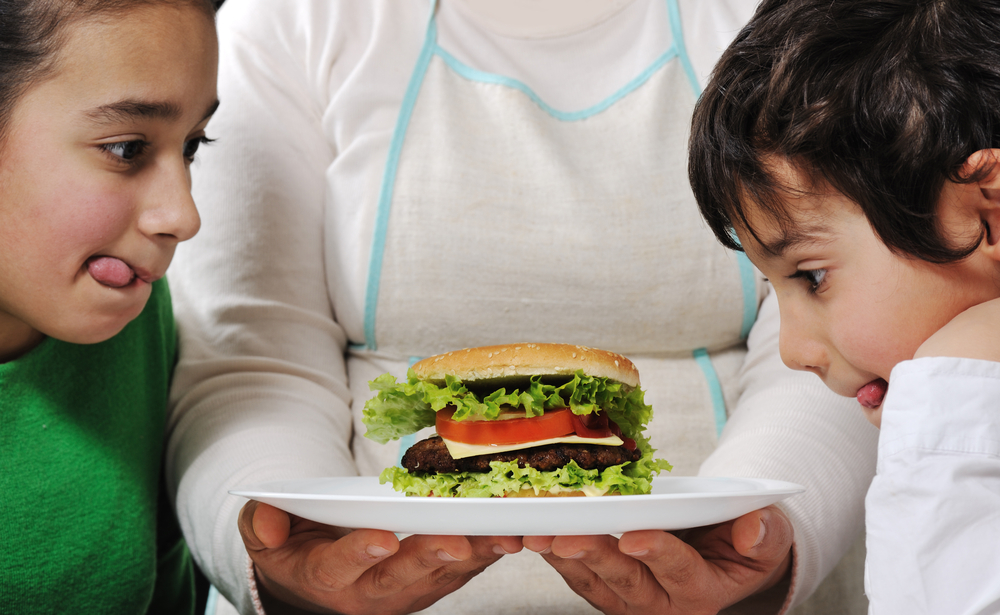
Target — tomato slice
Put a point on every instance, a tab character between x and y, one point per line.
552	424
598	425
591	425
628	443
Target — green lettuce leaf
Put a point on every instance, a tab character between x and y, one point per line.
401	408
627	479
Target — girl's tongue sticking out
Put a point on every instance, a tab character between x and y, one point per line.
871	395
110	271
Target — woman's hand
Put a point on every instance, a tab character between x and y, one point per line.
303	566
697	571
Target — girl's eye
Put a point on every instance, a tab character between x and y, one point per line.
126	150
814	277
191	146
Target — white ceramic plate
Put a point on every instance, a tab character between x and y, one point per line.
675	503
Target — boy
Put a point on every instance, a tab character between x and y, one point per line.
851	148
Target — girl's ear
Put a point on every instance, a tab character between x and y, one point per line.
987	161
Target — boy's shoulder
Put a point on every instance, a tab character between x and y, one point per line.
973	334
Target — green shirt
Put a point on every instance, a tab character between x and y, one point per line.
85	526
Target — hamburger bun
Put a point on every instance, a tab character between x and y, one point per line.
493	364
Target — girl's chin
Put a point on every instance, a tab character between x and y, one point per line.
102	318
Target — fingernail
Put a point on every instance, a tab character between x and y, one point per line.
447	557
638	553
760	534
545	551
576	555
376	551
500	550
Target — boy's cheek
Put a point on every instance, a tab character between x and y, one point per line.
871	346
874	416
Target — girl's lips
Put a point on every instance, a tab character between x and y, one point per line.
110	271
871	395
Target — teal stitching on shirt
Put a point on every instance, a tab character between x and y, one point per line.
389	179
749	282
211	604
714	388
747	278
678	31
749	293
473	74
677	50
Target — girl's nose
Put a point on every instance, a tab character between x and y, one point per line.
169	211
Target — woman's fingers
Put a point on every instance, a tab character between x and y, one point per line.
676	565
263	526
656	571
314	566
765	536
595	569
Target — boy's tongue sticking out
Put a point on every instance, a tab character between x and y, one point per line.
110	271
871	395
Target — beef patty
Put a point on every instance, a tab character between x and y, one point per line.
431	455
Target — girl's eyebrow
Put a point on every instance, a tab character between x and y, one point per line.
125	110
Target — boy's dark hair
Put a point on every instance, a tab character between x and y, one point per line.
31	34
881	100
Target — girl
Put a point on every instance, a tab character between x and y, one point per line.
103	104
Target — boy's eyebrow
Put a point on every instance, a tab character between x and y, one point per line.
795	237
125	110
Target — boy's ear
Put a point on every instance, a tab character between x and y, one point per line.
988	160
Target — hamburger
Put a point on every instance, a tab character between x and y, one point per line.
517	420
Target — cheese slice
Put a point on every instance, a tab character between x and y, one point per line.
460	450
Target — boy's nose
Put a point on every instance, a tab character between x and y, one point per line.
169	210
800	348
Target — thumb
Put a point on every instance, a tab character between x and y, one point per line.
764	535
263	526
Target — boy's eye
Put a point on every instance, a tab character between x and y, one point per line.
813	276
192	145
126	150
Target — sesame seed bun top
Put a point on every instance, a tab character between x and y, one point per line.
518	361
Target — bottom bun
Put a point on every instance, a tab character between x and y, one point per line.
530	493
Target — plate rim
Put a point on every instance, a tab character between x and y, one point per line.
392	511
253	491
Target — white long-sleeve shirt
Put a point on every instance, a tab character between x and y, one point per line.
933	509
271	295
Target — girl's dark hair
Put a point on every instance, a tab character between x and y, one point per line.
881	100
31	34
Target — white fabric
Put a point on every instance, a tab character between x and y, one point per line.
271	294
933	510
539	244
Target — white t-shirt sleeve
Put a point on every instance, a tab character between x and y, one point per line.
933	510
260	392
